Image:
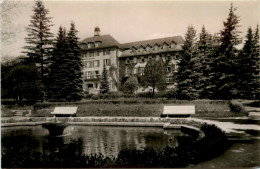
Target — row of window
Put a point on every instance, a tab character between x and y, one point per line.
142	59
91	74
96	53
148	48
140	70
96	63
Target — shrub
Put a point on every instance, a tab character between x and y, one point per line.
144	94
95	97
88	96
171	94
236	106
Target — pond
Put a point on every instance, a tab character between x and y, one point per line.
88	139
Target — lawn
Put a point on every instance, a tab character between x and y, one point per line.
130	107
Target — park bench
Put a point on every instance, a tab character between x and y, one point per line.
64	111
178	111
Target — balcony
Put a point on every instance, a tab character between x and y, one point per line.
92	77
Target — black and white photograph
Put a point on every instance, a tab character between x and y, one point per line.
130	84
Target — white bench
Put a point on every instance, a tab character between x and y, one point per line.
64	111
178	111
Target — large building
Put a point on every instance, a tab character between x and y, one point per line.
123	60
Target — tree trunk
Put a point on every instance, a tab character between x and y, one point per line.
153	92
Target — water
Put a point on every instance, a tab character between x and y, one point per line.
87	139
110	140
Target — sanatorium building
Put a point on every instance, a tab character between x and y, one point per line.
123	60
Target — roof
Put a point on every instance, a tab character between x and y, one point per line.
129	53
177	39
106	41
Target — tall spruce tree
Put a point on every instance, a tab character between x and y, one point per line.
186	76
39	38
59	70
76	89
256	68
104	84
203	68
246	67
225	69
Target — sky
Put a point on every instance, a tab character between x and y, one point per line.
132	21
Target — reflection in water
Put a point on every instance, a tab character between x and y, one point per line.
78	140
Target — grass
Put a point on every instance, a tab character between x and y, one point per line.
131	107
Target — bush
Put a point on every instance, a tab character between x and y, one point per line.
88	96
236	106
171	94
144	94
95	97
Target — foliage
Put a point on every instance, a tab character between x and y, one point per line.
247	68
131	84
39	38
189	151
104	84
225	62
155	75
171	94
65	78
187	77
24	82
236	106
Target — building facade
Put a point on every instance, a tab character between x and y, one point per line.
124	60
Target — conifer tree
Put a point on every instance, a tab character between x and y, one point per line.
256	68
58	77
225	69
186	75
104	84
76	89
39	38
246	67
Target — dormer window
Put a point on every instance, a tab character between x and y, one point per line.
172	45
133	49
141	49
90	45
164	46
156	47
148	47
97	43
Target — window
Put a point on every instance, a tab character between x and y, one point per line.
127	61
84	55
90	85
91	54
107	62
169	80
169	69
135	60
142	71
108	52
96	63
168	57
89	64
104	52
135	71
96	74
174	67
142	60
89	74
127	70
97	53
